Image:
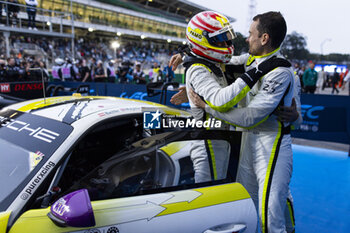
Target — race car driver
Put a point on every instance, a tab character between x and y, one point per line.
207	163
209	35
265	166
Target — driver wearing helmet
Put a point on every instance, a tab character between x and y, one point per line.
265	165
209	36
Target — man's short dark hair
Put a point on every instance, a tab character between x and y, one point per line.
272	23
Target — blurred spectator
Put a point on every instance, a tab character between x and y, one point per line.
111	72
335	80
346	81
35	72
2	70
12	13
84	71
100	75
45	74
298	71
139	75
23	71
155	73
1	21
12	71
321	80
68	71
93	66
342	76
76	70
56	70
31	11
124	72
310	78
168	73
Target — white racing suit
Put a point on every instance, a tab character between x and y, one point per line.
210	157
265	166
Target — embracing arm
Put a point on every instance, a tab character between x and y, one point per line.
264	103
223	99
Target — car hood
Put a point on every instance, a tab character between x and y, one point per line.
77	107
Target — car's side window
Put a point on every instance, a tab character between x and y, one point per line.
149	170
97	146
114	179
152	164
127	175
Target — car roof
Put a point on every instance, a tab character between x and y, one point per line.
69	109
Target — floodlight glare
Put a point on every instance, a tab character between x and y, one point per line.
115	44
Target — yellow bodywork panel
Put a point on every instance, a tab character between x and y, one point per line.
121	210
210	196
4	217
55	100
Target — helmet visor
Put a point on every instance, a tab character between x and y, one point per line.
225	34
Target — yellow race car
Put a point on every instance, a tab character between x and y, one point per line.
90	164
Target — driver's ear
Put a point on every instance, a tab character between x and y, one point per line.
265	38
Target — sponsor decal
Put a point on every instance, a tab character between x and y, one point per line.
92	231
60	207
195	34
113	230
37	180
5	87
40	133
34	159
28	86
102	114
107	229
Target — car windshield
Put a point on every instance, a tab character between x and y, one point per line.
15	165
25	141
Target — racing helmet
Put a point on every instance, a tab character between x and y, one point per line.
209	35
59	61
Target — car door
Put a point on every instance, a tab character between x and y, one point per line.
150	188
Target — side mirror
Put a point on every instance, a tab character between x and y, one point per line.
73	210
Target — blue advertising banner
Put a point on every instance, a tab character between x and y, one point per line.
130	91
325	117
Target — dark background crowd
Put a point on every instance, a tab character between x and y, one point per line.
135	62
94	61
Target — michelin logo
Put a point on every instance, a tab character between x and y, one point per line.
151	120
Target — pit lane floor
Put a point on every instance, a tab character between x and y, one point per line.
321	189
